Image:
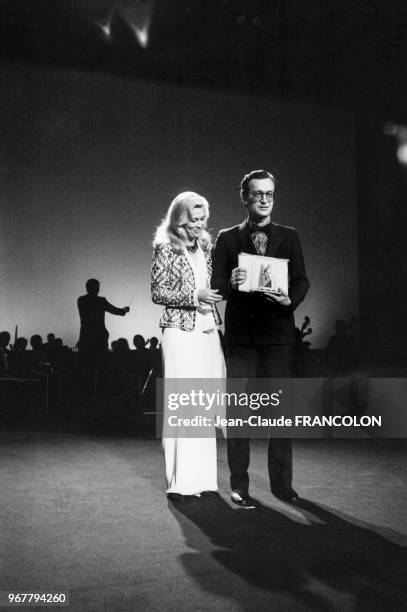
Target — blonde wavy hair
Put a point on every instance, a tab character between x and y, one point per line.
178	215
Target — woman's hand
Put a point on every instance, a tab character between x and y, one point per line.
209	296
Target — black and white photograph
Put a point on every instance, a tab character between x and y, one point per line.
203	323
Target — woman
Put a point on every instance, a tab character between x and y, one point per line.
180	280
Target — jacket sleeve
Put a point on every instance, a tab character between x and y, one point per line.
163	290
299	283
113	309
220	271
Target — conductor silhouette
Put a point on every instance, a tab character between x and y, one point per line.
93	338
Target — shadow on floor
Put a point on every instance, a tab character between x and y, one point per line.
312	561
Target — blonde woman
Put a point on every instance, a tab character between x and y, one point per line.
180	281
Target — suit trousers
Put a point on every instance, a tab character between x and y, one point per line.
269	361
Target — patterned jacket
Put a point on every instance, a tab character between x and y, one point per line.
173	285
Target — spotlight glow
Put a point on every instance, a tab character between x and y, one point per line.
138	18
400	134
106	30
402	154
105	25
141	35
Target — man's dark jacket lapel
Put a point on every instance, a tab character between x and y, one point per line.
274	239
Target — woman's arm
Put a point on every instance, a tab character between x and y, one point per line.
162	291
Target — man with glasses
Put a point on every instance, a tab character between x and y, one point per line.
259	326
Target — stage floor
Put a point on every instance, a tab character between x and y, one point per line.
88	514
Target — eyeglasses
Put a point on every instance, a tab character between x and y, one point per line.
259	195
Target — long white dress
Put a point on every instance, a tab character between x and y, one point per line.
191	463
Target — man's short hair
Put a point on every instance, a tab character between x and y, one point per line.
254	174
92	285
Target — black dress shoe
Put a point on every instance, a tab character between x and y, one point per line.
210	494
244	501
289	495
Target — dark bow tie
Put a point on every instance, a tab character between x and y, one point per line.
253	227
259	236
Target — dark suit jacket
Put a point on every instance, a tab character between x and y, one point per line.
250	319
94	335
